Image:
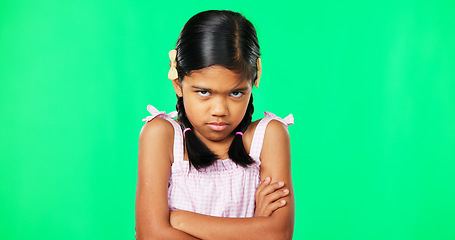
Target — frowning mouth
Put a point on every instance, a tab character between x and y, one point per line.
217	126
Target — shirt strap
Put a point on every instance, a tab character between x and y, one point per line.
259	132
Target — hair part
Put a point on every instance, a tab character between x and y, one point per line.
215	37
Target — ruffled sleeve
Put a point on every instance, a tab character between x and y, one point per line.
155	113
289	120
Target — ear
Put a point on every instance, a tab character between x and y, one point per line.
177	87
259	66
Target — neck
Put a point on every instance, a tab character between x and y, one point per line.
220	148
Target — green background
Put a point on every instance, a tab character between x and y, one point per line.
371	85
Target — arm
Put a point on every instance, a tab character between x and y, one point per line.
275	163
154	164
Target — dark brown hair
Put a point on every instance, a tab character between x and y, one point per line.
222	38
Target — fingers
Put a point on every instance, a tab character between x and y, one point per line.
271	202
274	196
275	200
269	197
274	206
270	188
266	188
263	184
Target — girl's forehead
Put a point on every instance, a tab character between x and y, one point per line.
215	77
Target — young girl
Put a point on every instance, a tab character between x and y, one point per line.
212	173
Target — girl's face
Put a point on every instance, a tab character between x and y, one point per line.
215	101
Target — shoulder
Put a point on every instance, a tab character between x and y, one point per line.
157	128
276	130
276	145
273	132
276	152
157	139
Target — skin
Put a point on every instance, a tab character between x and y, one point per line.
220	102
215	101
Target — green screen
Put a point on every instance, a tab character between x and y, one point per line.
371	85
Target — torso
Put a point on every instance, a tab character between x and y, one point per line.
222	189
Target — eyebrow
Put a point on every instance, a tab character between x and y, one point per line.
201	88
240	89
208	89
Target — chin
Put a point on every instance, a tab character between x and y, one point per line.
218	137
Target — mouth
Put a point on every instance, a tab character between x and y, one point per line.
217	126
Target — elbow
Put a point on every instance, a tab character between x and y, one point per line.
281	234
151	233
287	233
146	236
281	230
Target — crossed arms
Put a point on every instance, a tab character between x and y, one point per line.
273	219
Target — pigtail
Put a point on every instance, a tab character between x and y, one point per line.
237	150
199	155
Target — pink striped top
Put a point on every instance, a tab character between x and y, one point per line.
223	189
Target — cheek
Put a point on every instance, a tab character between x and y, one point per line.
194	110
239	110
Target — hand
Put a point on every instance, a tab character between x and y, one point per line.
269	197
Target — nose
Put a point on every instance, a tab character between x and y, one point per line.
219	107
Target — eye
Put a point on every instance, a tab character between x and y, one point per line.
237	94
203	93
